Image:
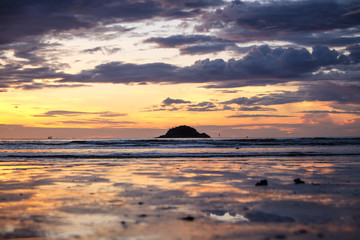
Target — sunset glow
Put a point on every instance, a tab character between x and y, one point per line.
133	69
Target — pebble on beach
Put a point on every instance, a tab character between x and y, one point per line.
298	181
263	182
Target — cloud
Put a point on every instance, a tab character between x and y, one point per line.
260	66
316	118
111	114
354	53
179	40
60	113
274	20
34	86
22	19
30	52
255	108
57	113
193	3
327	91
206	48
258	116
261	63
16	75
331	112
193	44
103	50
169	101
336	38
99	121
92	50
170	104
203	107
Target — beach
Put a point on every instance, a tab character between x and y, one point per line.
74	192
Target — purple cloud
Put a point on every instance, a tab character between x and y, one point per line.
169	101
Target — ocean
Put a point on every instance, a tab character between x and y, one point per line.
180	188
179	148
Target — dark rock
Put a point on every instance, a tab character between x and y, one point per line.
298	181
262	183
184	132
188	218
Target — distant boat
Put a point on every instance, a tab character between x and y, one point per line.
49	137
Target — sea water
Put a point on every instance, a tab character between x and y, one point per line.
180	188
175	148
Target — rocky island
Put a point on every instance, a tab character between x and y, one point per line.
184	132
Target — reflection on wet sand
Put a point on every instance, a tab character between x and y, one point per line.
227	216
178	199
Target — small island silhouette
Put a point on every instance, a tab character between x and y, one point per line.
184	132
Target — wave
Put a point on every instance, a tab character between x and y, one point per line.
178	143
176	155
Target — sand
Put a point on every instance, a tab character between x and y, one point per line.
180	199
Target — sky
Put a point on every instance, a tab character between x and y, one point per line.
135	68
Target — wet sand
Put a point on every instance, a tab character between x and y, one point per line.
180	199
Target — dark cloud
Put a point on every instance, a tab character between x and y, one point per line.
344	94
255	109
170	104
196	3
28	18
206	48
263	64
193	44
354	53
28	52
34	86
179	40
229	91
273	20
103	50
335	38
16	74
22	18
169	101
186	8
346	107
260	66
92	50
203	107
324	22
118	72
